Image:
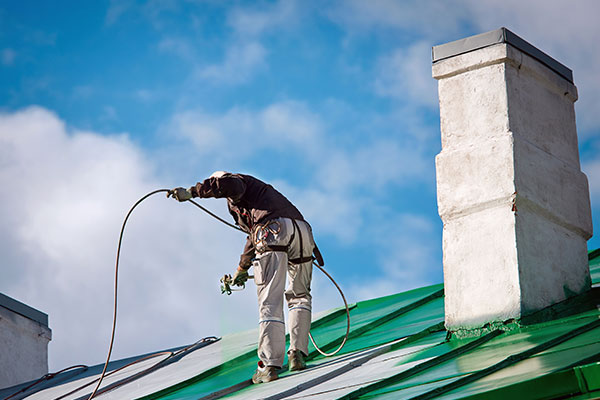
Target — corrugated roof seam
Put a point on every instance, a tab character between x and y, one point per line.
378	322
172	357
79	371
436	294
384	325
581	380
357	363
417	369
353	334
510	360
241	385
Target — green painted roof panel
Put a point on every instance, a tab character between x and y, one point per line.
569	382
368	314
398	348
405	325
528	369
497	350
315	387
385	320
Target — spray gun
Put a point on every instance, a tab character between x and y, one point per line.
227	284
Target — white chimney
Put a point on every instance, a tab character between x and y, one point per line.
514	202
24	337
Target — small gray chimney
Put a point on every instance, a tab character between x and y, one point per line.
24	337
514	202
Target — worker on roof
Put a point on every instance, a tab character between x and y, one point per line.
279	243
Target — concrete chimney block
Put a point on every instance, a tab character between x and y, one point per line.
514	202
24	337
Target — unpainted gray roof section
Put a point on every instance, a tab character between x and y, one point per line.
23	309
491	38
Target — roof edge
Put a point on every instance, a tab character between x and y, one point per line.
23	309
502	35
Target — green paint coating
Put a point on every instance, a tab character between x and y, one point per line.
384	316
591	376
506	326
571	382
594	257
528	355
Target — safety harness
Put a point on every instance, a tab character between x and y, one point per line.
261	246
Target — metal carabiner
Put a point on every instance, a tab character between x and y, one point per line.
261	234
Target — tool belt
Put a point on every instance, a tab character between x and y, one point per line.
274	227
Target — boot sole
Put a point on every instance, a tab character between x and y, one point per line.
257	381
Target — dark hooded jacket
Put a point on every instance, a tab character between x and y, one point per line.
251	202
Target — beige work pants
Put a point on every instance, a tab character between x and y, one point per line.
270	270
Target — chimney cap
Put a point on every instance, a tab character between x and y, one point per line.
23	309
497	36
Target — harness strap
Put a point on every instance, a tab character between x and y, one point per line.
299	260
318	256
300	237
284	249
274	248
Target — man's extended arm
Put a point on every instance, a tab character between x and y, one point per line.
226	186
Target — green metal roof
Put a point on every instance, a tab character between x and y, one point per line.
438	367
397	349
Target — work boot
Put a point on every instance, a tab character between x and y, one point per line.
264	374
296	360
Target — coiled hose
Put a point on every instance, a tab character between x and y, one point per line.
114	322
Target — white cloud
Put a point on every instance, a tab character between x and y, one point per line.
241	62
245	55
154	11
70	191
406	74
83	92
116	9
145	95
416	18
178	46
109	113
241	133
567	31
329	211
344	177
8	57
375	165
408	256
158	11
254	21
592	170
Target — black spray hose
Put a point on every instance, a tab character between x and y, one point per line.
347	319
114	322
206	210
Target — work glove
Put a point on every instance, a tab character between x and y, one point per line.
240	277
180	194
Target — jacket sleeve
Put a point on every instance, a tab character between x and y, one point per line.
247	255
231	186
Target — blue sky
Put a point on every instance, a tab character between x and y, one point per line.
331	101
